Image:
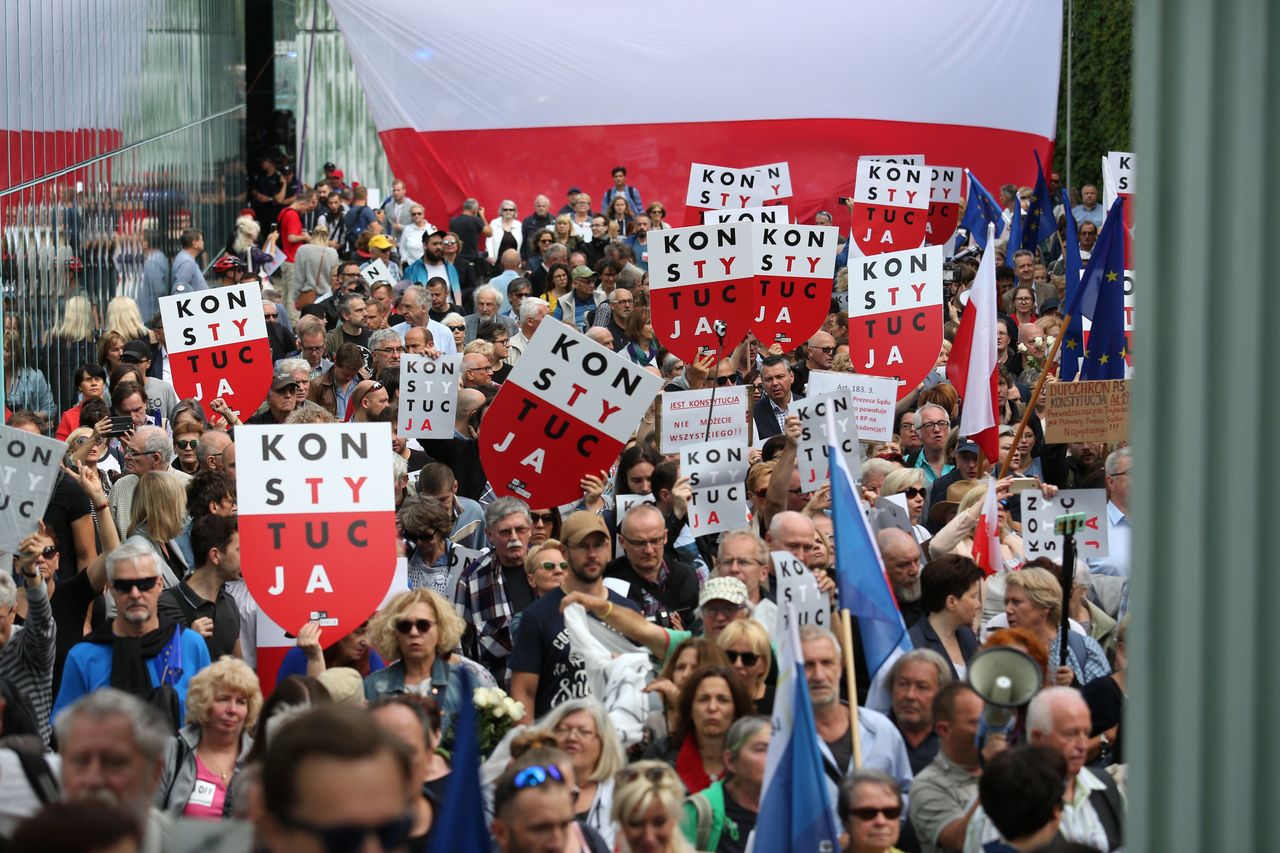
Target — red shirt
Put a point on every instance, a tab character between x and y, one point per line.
290	224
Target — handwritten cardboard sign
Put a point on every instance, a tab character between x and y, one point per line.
218	347
895	314
873	399
683	417
565	411
28	472
1096	410
428	394
317	522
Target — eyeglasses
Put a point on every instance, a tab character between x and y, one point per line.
932	425
551	566
522	294
914	492
506	210
656	210
623	301
449	243
453	327
186	443
486	369
314	349
580	733
390	349
652	774
870	812
418	213
349	837
542	518
48	552
124	586
747	658
538	774
644	543
404	626
727	609
544	240
740	561
129	452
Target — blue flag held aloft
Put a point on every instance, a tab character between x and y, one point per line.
1039	222
1015	231
1102	301
1072	348
980	211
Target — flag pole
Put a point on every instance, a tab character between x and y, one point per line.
1035	397
851	679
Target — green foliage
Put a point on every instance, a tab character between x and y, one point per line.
1101	87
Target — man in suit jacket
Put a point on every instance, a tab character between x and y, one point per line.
488	300
771	411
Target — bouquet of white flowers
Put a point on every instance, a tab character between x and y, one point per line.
1041	345
496	714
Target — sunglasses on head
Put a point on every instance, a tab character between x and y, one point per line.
538	774
914	492
349	838
870	812
747	658
124	586
404	626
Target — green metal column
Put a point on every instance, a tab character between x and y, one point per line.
1201	732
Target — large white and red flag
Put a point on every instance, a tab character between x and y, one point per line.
972	365
513	105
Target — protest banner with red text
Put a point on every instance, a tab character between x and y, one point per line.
565	411
701	287
815	444
708	414
217	344
777	214
890	207
317	522
946	189
428	393
794	266
721	187
895	315
717	473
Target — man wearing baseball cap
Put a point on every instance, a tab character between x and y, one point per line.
579	305
380	247
968	467
282	399
160	394
544	670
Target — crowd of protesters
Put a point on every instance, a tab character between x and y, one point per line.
130	690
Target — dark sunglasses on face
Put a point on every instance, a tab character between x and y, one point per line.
404	626
747	658
552	566
351	838
914	492
541	517
186	443
869	813
126	586
731	379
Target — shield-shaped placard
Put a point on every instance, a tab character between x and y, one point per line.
794	267
890	207
895	314
700	287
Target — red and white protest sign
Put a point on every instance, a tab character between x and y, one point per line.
217	343
794	266
890	207
1039	514
716	187
565	411
902	159
895	314
428	393
946	189
700	287
873	398
777	214
717	473
317	522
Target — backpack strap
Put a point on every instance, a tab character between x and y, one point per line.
702	809
39	776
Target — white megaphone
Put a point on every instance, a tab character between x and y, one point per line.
1006	678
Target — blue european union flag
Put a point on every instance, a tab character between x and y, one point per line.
1040	222
465	828
1015	231
981	210
1073	344
1102	301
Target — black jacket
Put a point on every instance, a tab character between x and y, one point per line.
766	423
679	596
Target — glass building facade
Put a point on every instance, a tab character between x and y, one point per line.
123	125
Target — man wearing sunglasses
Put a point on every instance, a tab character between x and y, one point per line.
818	355
335	781
533	809
133	652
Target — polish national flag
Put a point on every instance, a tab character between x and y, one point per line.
516	104
972	366
986	541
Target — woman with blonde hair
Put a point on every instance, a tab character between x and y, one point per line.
746	644
910	483
315	262
69	346
244	244
956	537
157	514
223	703
562	231
582	729
419	630
508	233
110	350
124	319
648	803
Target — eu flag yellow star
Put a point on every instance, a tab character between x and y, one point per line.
1104	359
1071	343
1111	276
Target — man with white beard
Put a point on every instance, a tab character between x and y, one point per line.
902	560
113	746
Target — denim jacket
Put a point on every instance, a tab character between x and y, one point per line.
446	687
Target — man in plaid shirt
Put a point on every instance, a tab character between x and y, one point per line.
495	588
